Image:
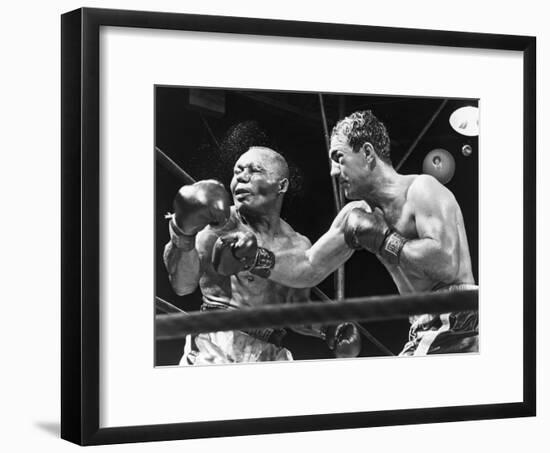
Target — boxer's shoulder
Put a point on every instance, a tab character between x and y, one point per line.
291	238
423	185
286	229
425	190
300	241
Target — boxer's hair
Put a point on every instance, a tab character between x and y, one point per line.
361	127
250	134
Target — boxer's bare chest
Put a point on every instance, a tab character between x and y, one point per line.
400	215
248	289
402	220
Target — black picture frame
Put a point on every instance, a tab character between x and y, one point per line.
80	264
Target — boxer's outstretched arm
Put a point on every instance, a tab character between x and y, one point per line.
185	268
436	253
305	266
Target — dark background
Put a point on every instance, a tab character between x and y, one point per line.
206	132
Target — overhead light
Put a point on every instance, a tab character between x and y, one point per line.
439	163
467	150
465	121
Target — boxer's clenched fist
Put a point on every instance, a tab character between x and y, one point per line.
197	205
239	251
370	231
365	230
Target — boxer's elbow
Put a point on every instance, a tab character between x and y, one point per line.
182	288
309	280
445	264
184	283
186	291
183	269
431	258
300	279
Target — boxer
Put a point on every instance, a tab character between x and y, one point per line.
412	223
228	251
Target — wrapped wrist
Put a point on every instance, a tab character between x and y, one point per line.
262	263
180	240
392	246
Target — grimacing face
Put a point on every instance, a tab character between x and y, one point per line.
255	185
348	166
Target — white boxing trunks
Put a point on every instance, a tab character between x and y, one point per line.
230	347
256	345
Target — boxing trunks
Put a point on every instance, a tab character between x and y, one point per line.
446	333
258	345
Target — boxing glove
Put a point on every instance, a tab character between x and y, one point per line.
237	252
344	339
370	231
197	205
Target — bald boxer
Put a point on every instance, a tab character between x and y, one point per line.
228	251
412	223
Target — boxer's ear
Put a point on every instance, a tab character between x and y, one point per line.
368	151
283	185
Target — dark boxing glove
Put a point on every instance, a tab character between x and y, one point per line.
344	339
237	252
195	206
370	231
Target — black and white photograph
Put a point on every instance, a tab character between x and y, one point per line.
275	226
268	202
293	226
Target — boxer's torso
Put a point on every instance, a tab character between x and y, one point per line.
402	219
246	289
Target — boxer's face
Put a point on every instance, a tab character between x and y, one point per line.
255	184
348	166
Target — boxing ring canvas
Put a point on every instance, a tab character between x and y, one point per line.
153	101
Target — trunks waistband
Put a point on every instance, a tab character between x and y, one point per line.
453	287
273	336
460	320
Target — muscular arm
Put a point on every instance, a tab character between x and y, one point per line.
185	268
304	266
435	254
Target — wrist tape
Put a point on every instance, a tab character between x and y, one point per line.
263	263
392	246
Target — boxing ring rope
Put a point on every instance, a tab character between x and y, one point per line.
168	308
421	134
173	168
377	308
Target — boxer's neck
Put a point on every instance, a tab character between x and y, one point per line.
387	188
267	224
